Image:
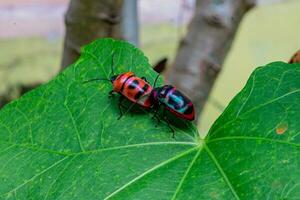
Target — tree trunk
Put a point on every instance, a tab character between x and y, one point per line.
201	52
295	58
130	24
87	20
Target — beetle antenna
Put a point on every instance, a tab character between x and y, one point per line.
96	79
156	80
112	64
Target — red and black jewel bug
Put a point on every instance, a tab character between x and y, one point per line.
136	90
172	100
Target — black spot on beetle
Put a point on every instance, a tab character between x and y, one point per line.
138	95
189	110
135	82
145	88
131	86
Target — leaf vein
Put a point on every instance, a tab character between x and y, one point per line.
28	121
37	175
245	102
75	127
138	145
214	159
186	173
8	129
253	138
150	171
60	174
255	108
37	149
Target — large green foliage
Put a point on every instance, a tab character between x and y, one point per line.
63	140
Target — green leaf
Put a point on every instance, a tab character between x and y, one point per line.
63	140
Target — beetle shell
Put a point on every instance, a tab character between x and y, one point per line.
175	101
133	88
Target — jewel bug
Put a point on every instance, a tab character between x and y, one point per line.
173	100
136	90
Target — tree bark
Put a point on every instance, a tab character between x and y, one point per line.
130	23
87	20
295	58
201	52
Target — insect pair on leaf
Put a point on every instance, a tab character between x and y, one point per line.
139	92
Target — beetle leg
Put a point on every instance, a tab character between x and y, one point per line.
168	123
130	107
144	78
111	94
157	119
170	127
120	106
155	114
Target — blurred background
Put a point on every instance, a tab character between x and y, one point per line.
32	43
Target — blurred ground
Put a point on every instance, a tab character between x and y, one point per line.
30	50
